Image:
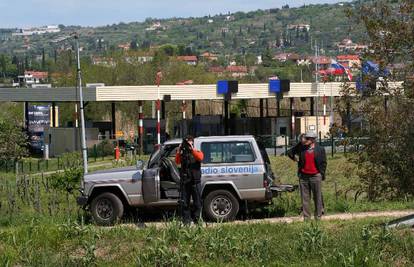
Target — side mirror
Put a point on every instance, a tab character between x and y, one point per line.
140	164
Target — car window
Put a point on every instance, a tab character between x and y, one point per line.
165	151
227	152
172	150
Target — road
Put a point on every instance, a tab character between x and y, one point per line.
333	217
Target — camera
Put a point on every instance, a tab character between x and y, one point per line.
185	147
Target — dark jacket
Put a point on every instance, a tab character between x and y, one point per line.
190	171
320	157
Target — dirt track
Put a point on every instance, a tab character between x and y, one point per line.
339	216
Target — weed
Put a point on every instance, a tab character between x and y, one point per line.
312	239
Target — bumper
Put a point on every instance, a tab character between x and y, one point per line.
277	189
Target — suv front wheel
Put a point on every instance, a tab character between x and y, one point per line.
107	209
221	205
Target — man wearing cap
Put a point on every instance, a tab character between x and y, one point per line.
311	168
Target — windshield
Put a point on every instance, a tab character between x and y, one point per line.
155	156
165	151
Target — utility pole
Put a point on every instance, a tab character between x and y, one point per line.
158	81
81	107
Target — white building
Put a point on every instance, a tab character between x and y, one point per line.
32	77
37	30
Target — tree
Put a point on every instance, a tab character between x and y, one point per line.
3	65
267	58
13	140
386	164
43	59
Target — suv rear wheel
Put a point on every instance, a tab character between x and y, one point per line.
221	205
107	209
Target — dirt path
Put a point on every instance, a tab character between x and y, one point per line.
339	216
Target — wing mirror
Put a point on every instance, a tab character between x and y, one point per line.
140	164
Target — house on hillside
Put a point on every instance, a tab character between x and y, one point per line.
125	46
103	61
284	57
299	27
33	77
155	26
348	45
233	71
219	71
349	61
237	71
190	60
324	62
207	56
36	30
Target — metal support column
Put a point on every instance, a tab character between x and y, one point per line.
261	108
193	108
53	114
312	106
113	125
140	127
162	109
278	107
292	115
226	117
267	107
26	115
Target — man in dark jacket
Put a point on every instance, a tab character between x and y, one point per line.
311	168
190	175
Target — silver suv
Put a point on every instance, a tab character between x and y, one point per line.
235	172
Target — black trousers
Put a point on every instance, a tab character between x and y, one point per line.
188	191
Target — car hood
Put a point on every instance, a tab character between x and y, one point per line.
114	175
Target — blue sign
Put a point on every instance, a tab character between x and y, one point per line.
274	86
222	87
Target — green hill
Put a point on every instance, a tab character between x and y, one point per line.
235	33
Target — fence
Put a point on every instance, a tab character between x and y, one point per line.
98	153
331	145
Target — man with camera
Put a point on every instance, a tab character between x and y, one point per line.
190	183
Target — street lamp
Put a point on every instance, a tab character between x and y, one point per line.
81	107
79	85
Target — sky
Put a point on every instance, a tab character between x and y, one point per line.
26	13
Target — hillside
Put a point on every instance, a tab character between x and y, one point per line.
286	29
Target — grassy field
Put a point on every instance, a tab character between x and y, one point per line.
41	225
40	242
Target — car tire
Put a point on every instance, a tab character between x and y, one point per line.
107	209
221	205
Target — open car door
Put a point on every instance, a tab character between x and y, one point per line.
151	185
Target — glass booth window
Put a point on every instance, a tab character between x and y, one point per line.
227	152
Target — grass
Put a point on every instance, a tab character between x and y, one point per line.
352	243
41	225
